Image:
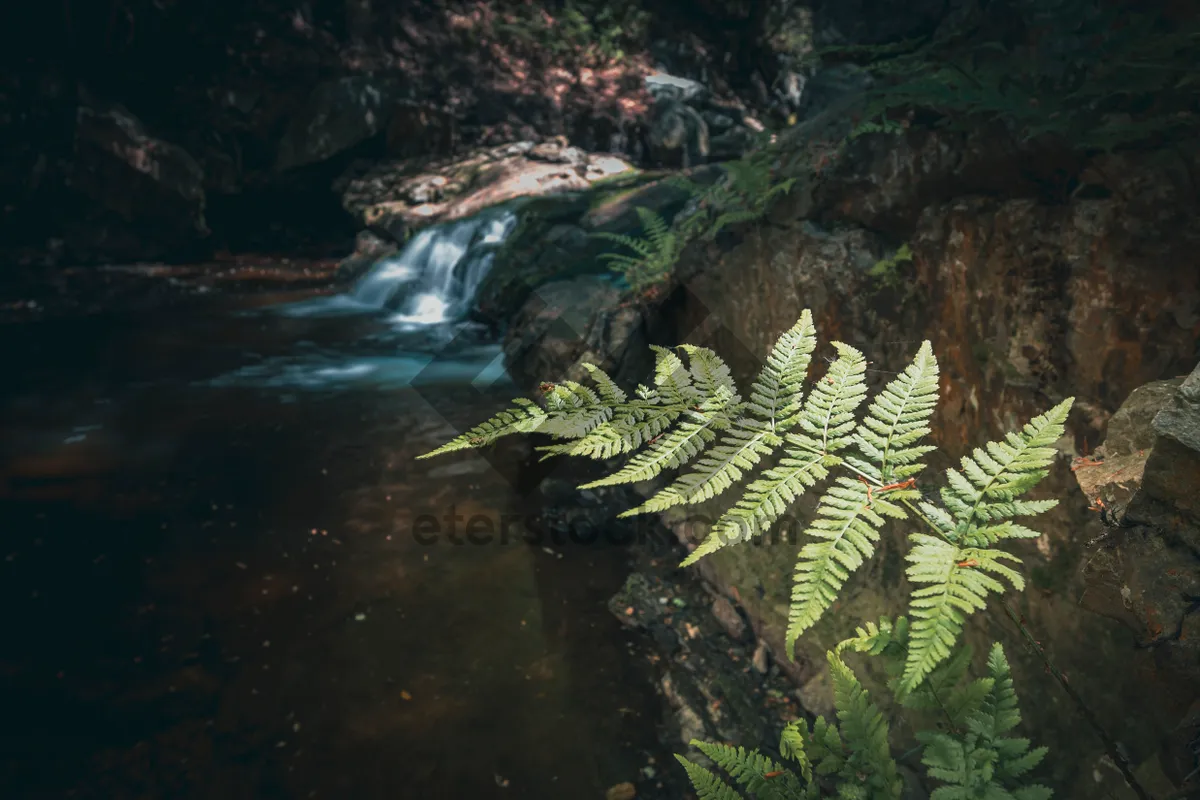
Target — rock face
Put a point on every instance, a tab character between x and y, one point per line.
555	240
1169	496
1145	573
139	178
395	198
678	135
1031	289
337	116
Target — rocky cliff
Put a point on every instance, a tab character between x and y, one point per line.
1039	270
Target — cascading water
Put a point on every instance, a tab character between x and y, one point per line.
429	286
434	279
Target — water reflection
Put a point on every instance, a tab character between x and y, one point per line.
215	594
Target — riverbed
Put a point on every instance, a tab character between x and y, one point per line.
216	584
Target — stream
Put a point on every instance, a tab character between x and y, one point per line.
218	576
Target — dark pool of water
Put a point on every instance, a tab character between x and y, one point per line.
212	589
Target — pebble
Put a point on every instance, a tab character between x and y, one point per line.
622	791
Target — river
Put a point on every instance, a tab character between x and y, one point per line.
216	582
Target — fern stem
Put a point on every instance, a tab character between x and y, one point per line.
926	519
865	476
1110	744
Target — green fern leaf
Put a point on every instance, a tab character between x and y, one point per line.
980	761
629	428
573	411
609	391
998	473
708	786
846	530
775	397
739	450
849	517
896	420
710	388
955	586
977	501
750	770
865	734
524	417
672	450
826	420
791	745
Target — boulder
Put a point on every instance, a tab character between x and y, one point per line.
369	249
558	329
138	178
678	135
1169	497
338	115
394	198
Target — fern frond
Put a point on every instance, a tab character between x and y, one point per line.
995	475
865	734
876	639
777	393
672	379
524	417
774	398
791	745
826	420
980	761
674	449
977	503
751	768
710	374
708	786
956	584
896	420
738	451
764	502
705	395
573	411
846	530
849	516
609	391
630	427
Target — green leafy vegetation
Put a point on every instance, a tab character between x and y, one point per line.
654	253
1095	75
744	194
694	415
591	32
887	270
967	750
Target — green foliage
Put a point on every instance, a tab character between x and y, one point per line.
969	754
887	270
1095	75
744	195
695	416
655	253
591	32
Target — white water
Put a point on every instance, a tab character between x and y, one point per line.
431	281
429	285
437	274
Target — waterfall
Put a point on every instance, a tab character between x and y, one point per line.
434	278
